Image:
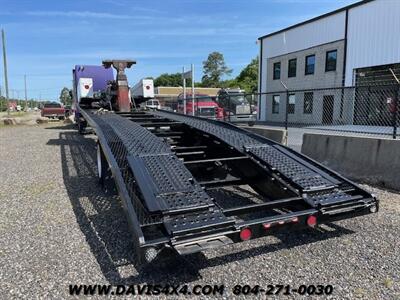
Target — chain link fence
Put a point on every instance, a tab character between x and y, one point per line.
362	111
234	108
368	110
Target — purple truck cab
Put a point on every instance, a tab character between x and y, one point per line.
100	76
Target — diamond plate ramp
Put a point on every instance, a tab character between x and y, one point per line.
166	185
296	172
195	222
227	133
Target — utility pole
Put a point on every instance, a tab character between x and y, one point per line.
5	69
193	90
184	90
26	95
186	75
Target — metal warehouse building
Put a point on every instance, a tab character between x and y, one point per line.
340	48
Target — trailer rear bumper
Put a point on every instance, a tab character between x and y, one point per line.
253	229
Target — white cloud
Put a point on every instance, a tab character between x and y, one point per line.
76	14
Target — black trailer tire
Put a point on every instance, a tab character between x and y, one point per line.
102	165
81	126
251	123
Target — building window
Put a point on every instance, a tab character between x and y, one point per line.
292	65
277	70
308	102
292	103
330	61
276	99
310	64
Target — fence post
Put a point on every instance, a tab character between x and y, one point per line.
396	104
287	110
229	108
396	113
287	104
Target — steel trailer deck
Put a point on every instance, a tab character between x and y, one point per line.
190	183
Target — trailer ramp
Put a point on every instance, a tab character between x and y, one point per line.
196	183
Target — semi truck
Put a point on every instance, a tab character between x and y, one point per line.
143	90
236	107
204	106
188	184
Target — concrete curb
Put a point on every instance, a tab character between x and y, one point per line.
372	160
277	135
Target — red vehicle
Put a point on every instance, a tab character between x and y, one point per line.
204	106
53	110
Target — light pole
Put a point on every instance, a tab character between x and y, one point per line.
26	94
184	90
193	90
5	69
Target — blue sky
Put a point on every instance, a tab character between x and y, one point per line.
46	38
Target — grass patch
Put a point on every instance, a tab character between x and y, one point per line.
13	114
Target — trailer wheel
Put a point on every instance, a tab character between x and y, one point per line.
81	126
251	123
102	165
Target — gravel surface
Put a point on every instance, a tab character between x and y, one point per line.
58	227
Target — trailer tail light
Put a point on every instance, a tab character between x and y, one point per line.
312	221
245	234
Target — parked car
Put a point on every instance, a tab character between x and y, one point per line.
53	110
153	104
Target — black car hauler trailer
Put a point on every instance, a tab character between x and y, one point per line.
189	183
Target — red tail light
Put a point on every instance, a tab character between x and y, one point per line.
87	86
312	221
245	234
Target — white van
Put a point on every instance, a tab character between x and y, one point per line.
153	104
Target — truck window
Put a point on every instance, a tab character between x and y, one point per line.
52	105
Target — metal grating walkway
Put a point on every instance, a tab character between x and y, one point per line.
229	134
298	171
299	174
165	184
193	222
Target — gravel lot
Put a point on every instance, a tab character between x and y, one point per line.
58	227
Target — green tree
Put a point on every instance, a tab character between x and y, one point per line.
171	80
65	96
214	68
248	77
3	103
230	83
